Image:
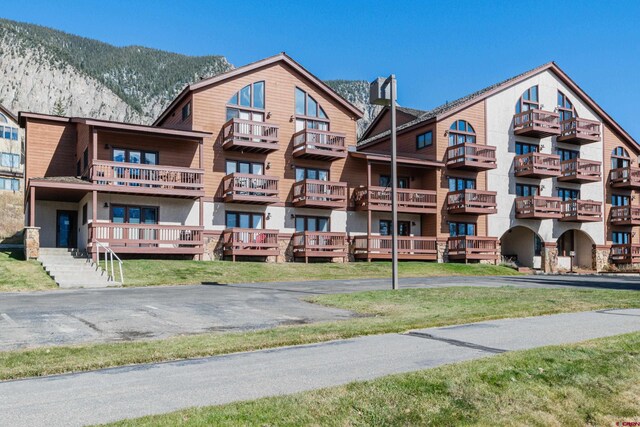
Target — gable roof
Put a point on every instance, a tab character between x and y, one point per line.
281	57
450	108
410	111
6	112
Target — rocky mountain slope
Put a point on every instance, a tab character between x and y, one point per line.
46	70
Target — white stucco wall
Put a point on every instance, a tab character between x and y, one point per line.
500	109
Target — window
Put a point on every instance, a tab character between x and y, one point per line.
236	166
314	116
385	181
244	220
462	229
526	190
9	184
9	160
312	223
78	168
424	140
14	134
621	237
85	157
567	154
461	132
131	156
568	194
134	214
186	110
537	245
620	200
524	148
619	158
565	107
404	228
3	118
84	214
311	173
251	96
528	100
458	184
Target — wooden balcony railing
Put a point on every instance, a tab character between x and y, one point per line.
625	254
579	131
580	170
409	200
472	248
628	177
147	238
250	136
319	144
308	244
151	179
538	207
471	202
250	242
624	215
581	211
409	247
471	156
536	123
320	194
248	188
536	165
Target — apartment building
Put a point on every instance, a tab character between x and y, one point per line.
263	162
11	176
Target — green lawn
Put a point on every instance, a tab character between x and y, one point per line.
16	274
593	383
146	272
380	312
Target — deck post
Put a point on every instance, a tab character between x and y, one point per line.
32	207
94	220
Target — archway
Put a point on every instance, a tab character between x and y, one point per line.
522	246
578	242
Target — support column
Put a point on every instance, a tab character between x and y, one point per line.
368	211
441	249
201	223
601	254
94	220
32	207
94	144
549	257
31	242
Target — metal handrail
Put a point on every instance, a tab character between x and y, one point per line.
108	260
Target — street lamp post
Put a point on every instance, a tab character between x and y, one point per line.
383	92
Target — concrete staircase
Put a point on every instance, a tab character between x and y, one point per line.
72	269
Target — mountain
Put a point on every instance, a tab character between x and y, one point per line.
46	70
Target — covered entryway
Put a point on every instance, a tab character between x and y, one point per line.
522	246
578	242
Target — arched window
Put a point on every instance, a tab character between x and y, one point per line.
529	100
309	114
620	158
247	103
565	107
460	132
3	118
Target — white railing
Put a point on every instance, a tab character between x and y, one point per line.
109	255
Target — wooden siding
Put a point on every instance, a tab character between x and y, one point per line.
50	149
174	119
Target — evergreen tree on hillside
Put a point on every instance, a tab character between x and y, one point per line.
58	108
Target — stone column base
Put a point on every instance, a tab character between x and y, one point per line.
601	254
549	257
442	250
31	241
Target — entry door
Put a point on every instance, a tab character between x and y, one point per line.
66	229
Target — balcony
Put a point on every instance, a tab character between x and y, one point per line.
579	131
249	242
316	244
471	157
536	123
624	215
580	170
147	179
628	177
247	188
249	136
409	200
625	254
319	145
581	211
536	165
409	248
320	194
147	238
538	207
471	248
475	202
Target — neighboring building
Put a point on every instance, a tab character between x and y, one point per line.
263	162
11	176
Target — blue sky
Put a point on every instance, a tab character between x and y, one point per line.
438	50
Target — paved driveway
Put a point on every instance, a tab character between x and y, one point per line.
106	315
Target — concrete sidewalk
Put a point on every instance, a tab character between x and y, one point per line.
113	394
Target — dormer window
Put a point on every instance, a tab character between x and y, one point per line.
309	114
248	103
565	107
529	100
